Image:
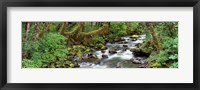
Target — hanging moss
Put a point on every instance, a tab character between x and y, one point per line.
78	37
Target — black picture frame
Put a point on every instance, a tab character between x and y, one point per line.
98	3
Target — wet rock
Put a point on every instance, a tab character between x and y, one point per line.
104	48
91	60
138	52
116	40
125	46
111	40
57	66
77	58
100	47
134	49
122	39
138	58
134	39
104	56
119	39
135	36
143	62
142	66
125	42
92	56
76	65
103	51
112	51
117	47
92	49
97	62
136	61
84	56
121	42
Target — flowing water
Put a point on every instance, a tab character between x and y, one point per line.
122	54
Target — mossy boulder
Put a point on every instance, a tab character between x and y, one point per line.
135	49
112	51
77	51
139	52
104	56
92	56
104	48
71	65
116	40
135	36
100	47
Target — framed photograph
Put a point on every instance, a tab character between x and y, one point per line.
105	44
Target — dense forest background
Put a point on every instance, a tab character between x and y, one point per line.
59	44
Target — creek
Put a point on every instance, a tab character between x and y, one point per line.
118	55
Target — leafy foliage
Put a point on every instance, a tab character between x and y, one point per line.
174	65
49	48
118	29
97	40
168	56
28	63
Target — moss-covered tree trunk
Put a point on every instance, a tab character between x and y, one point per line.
36	31
27	28
79	37
46	27
153	34
170	28
63	27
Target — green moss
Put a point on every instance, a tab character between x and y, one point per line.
135	50
78	50
155	65
135	36
71	65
